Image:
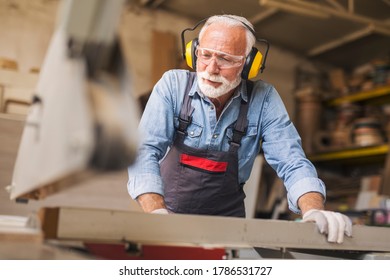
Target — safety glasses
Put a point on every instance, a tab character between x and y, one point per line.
223	60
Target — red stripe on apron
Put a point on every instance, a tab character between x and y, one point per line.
203	163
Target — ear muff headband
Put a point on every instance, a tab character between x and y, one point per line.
186	52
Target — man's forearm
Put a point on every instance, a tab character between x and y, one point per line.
150	202
311	200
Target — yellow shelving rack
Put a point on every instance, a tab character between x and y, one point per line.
350	153
382	91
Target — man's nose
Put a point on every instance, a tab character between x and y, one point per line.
213	66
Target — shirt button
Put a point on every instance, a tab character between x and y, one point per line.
215	136
192	133
211	108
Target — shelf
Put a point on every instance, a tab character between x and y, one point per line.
18	79
350	153
383	91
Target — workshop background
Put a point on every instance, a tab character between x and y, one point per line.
328	59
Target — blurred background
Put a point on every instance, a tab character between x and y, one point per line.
329	60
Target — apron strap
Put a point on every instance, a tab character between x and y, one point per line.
241	125
186	111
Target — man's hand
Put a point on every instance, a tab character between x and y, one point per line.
151	203
334	224
160	211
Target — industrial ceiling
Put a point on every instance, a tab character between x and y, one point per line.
344	33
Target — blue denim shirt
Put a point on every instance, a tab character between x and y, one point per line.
269	127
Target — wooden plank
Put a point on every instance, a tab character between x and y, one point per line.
385	188
20	235
49	222
15	78
207	231
164	54
10	250
11	128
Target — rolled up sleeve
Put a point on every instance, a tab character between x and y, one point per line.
145	183
301	187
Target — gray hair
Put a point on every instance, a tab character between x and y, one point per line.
233	21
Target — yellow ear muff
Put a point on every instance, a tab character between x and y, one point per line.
255	67
252	64
190	53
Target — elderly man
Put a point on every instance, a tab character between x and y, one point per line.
201	133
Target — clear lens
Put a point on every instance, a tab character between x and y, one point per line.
223	60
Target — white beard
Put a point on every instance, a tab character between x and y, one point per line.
213	92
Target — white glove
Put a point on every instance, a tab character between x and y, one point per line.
160	211
334	224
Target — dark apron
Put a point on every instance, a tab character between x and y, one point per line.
198	181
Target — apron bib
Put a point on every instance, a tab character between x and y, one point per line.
200	181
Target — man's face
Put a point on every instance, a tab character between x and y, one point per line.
220	63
